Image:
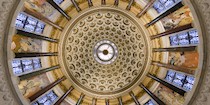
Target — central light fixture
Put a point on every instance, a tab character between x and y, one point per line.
105	52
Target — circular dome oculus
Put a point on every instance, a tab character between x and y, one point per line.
105	52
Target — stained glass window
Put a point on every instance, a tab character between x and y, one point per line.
20	21
185	38
47	99
188	83
17	68
150	102
35	103
194	37
180	80
26	65
40	27
37	63
29	24
174	40
170	76
163	5
158	6
58	1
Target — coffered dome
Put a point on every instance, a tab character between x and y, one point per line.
105	52
96	52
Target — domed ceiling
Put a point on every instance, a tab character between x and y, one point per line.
105	52
82	52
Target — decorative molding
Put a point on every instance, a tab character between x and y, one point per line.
202	94
6	92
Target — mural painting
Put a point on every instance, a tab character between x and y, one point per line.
168	96
30	86
26	44
40	6
184	59
178	18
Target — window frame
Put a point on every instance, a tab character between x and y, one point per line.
45	95
189	38
35	27
22	66
184	81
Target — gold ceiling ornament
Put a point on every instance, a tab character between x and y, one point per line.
129	44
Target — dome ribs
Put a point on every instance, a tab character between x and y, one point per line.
42	18
134	98
35	54
103	2
172	31
39	72
59	9
175	49
152	95
90	4
149	4
120	101
169	11
129	5
47	88
172	87
80	99
177	68
61	99
76	5
107	101
94	100
116	2
35	36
